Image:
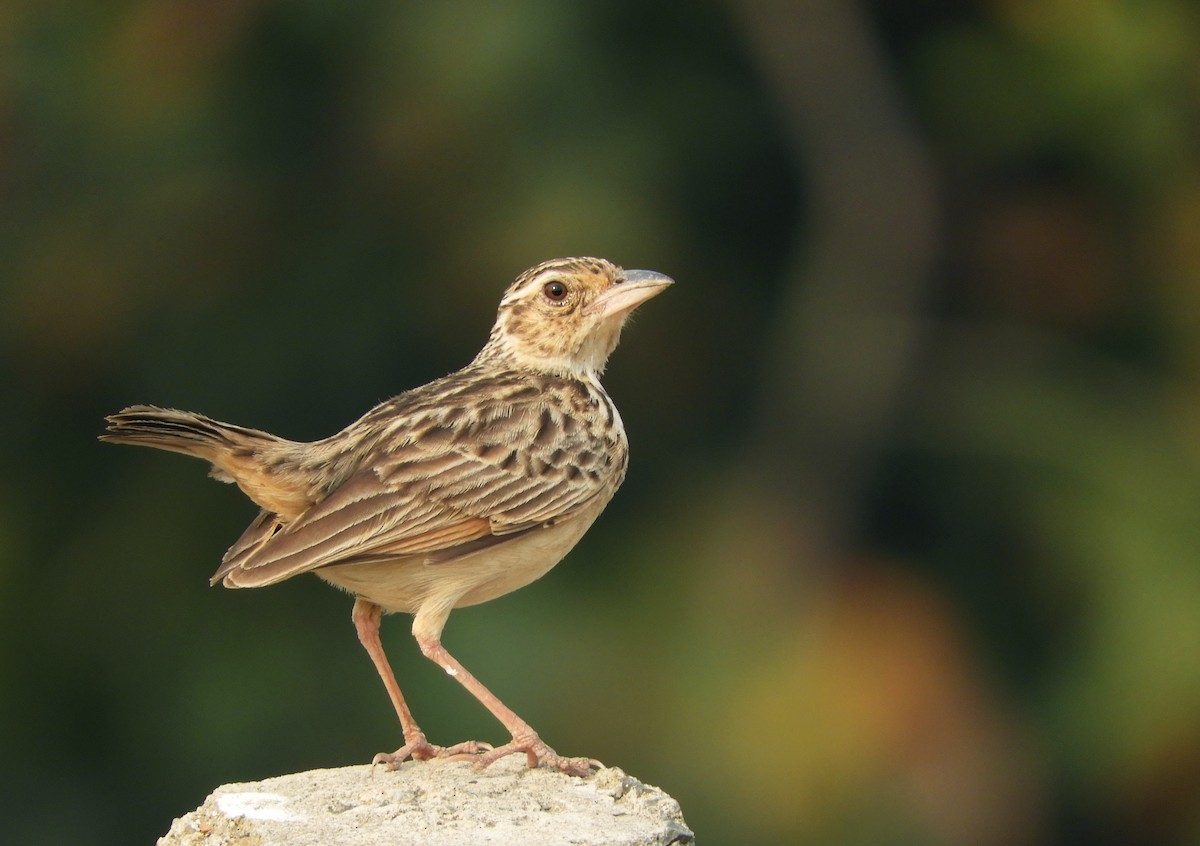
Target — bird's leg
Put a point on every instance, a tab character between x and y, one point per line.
524	738
366	616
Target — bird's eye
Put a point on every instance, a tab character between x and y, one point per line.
555	291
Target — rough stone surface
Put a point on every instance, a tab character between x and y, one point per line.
435	803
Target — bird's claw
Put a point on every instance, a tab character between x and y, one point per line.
538	753
423	750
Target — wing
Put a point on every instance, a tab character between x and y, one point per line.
438	488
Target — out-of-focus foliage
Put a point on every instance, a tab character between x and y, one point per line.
910	546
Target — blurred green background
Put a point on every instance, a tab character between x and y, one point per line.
909	551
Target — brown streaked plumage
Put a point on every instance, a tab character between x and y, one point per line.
447	495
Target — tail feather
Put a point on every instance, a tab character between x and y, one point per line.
260	463
178	431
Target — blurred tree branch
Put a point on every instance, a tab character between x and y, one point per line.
845	335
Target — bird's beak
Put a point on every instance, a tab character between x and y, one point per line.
636	287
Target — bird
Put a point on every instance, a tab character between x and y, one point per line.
446	495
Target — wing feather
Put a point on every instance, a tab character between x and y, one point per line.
438	486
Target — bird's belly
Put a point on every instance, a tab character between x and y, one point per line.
407	584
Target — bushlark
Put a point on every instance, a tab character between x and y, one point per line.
447	495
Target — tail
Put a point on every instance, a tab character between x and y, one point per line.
234	451
261	464
180	431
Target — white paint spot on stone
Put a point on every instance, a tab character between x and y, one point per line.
256	806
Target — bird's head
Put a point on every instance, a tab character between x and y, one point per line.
565	316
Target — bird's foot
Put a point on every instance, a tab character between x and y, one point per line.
419	749
537	753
